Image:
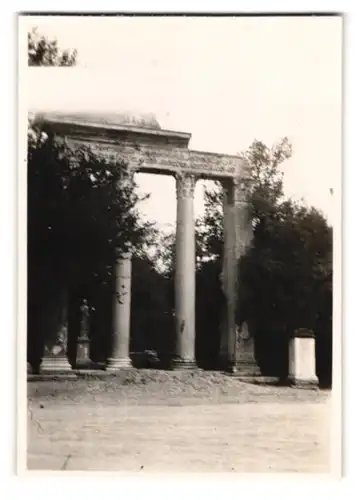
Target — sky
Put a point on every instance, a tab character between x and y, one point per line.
227	81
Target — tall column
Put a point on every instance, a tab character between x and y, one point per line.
229	280
185	273
121	316
237	345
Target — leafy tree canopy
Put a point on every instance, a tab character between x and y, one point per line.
286	276
82	210
45	52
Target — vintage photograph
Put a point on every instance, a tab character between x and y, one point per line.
181	177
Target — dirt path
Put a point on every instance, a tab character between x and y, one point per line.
95	429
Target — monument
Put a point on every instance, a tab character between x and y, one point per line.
302	359
146	147
82	354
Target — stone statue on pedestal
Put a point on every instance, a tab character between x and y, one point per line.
82	358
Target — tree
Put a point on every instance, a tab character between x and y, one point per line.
265	193
210	228
152	321
45	52
286	275
82	215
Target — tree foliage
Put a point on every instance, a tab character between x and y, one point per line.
82	215
210	227
45	52
82	207
286	276
265	191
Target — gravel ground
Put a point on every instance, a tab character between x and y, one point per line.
156	421
161	387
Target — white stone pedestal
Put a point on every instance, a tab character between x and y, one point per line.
302	359
82	354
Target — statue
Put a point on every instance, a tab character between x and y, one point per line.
82	358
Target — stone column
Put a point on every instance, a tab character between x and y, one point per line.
302	358
229	280
55	328
185	273
121	316
237	346
74	321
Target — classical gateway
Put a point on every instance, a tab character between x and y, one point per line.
146	147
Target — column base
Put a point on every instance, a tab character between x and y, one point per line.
306	383
242	369
223	363
84	363
116	364
246	369
55	364
83	358
184	364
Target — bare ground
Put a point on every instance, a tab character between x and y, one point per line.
151	421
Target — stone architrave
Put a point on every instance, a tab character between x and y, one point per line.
185	273
55	326
302	358
121	316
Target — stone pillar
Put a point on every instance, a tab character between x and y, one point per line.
55	328
185	274
302	358
237	346
229	281
121	316
74	321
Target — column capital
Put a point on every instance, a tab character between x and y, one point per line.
241	189
185	185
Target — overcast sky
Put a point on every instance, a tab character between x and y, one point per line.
225	80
